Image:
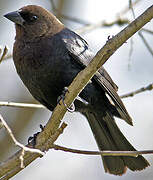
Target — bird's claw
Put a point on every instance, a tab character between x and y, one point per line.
71	108
32	139
62	97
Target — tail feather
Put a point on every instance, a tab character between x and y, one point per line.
109	137
133	163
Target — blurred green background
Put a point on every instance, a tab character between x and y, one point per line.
25	122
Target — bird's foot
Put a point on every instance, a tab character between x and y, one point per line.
62	97
32	139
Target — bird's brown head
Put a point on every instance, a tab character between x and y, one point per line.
33	22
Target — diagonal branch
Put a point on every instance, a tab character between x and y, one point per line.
147	30
52	127
126	9
5	51
146	43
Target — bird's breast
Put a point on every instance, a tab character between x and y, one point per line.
45	69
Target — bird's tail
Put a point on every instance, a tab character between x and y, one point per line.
109	137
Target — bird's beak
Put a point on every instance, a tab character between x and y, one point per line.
15	17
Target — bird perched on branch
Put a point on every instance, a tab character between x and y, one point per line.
47	57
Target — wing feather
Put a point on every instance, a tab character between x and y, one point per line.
79	50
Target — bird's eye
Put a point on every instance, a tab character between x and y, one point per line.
33	18
28	17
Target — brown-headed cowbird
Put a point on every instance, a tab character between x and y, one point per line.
47	57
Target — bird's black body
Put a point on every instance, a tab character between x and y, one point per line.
66	54
48	62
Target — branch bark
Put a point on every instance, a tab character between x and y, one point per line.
21	105
10	167
103	153
4	53
131	94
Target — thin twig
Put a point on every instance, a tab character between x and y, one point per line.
26	105
131	94
131	40
90	27
53	4
24	148
147	30
130	52
8	56
118	21
5	51
21	105
73	19
103	153
1	123
131	7
126	9
22	158
6	173
146	43
59	14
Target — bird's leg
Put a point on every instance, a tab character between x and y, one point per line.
62	97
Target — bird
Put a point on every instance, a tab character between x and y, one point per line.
48	56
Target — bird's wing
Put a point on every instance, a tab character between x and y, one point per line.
79	50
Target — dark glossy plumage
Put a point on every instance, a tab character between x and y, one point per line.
47	57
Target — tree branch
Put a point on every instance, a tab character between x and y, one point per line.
4	53
21	105
119	21
126	9
147	30
103	153
59	14
146	43
12	165
91	27
131	7
27	105
24	148
131	94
